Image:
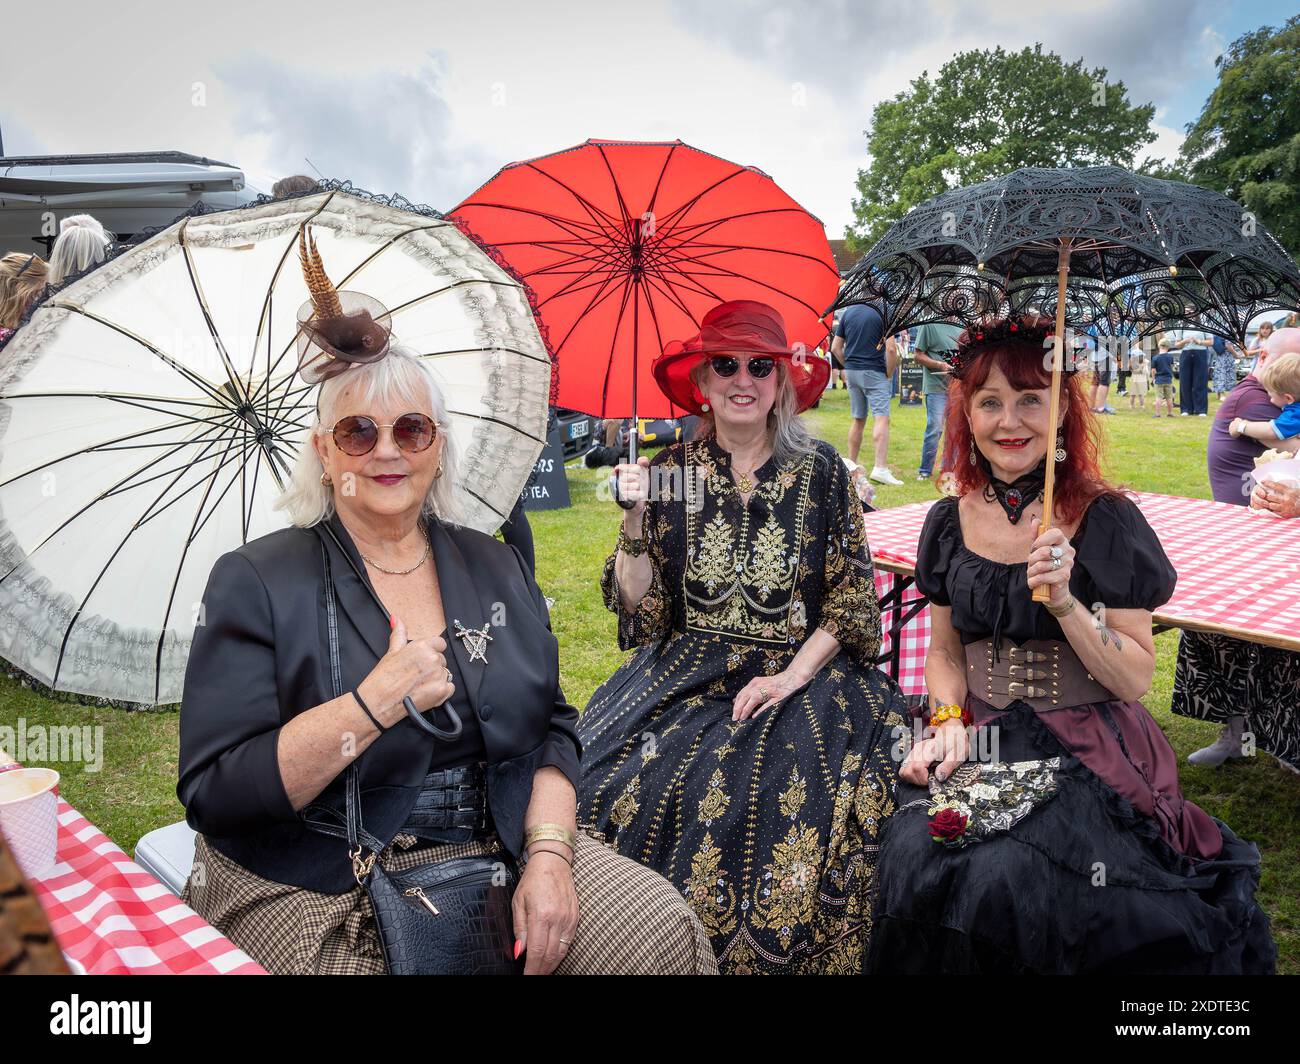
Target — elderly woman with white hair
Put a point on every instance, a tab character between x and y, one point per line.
82	242
746	750
375	749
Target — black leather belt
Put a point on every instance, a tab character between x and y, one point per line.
452	806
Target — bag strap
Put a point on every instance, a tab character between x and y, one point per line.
351	827
446	734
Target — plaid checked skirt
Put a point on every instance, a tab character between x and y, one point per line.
631	920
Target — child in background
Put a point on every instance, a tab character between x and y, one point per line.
1281	378
1138	368
1162	370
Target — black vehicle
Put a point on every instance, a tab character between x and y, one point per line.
577	431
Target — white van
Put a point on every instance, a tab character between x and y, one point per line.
128	192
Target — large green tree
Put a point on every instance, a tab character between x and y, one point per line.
986	113
1247	140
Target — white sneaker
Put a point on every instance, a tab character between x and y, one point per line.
884	476
1227	745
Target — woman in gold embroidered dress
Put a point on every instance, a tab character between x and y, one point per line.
744	750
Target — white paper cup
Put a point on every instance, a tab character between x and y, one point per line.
29	817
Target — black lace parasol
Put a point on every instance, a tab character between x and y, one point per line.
1142	253
1085	246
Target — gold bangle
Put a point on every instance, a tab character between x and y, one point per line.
1062	610
552	833
942	713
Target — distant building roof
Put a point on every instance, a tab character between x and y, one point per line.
844	258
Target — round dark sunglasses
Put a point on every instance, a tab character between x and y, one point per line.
358	434
726	366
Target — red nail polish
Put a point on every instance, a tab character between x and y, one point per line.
392	622
519	947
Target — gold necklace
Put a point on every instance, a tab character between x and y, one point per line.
744	484
401	572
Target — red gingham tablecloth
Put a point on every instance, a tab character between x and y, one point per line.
1238	573
915	635
113	917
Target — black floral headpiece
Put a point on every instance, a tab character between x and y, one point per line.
1030	331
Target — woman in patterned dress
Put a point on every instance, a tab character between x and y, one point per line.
744	749
1223	369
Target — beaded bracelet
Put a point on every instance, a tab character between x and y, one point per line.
950	712
633	548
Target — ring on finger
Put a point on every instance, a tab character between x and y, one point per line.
448	675
762	693
1056	563
1057	553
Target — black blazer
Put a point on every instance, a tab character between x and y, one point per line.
261	656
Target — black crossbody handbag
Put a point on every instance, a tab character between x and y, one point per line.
449	917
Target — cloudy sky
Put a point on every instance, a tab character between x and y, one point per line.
429	98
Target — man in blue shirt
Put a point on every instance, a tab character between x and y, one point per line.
869	364
1109	352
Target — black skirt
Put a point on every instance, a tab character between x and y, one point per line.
1084	884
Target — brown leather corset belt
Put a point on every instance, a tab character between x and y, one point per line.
1045	673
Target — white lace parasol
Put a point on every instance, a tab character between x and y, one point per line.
151	411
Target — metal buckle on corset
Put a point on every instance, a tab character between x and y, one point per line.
1024	672
1016	689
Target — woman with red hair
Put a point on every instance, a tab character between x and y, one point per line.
1039	777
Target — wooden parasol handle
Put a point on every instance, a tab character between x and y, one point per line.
1043	593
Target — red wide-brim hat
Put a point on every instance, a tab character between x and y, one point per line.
739	327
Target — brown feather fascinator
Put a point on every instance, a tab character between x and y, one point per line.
337	330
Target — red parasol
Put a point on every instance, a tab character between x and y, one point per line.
626	245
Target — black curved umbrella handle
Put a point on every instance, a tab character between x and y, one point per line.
438	733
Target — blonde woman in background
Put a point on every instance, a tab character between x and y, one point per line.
83	242
22	279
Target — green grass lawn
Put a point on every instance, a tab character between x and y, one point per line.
135	791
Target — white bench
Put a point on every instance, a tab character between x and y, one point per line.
168	854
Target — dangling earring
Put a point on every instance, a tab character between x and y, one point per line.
972	450
325	480
438	473
704	406
1060	445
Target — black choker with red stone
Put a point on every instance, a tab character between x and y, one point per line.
1017	496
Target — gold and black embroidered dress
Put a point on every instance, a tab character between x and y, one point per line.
768	826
